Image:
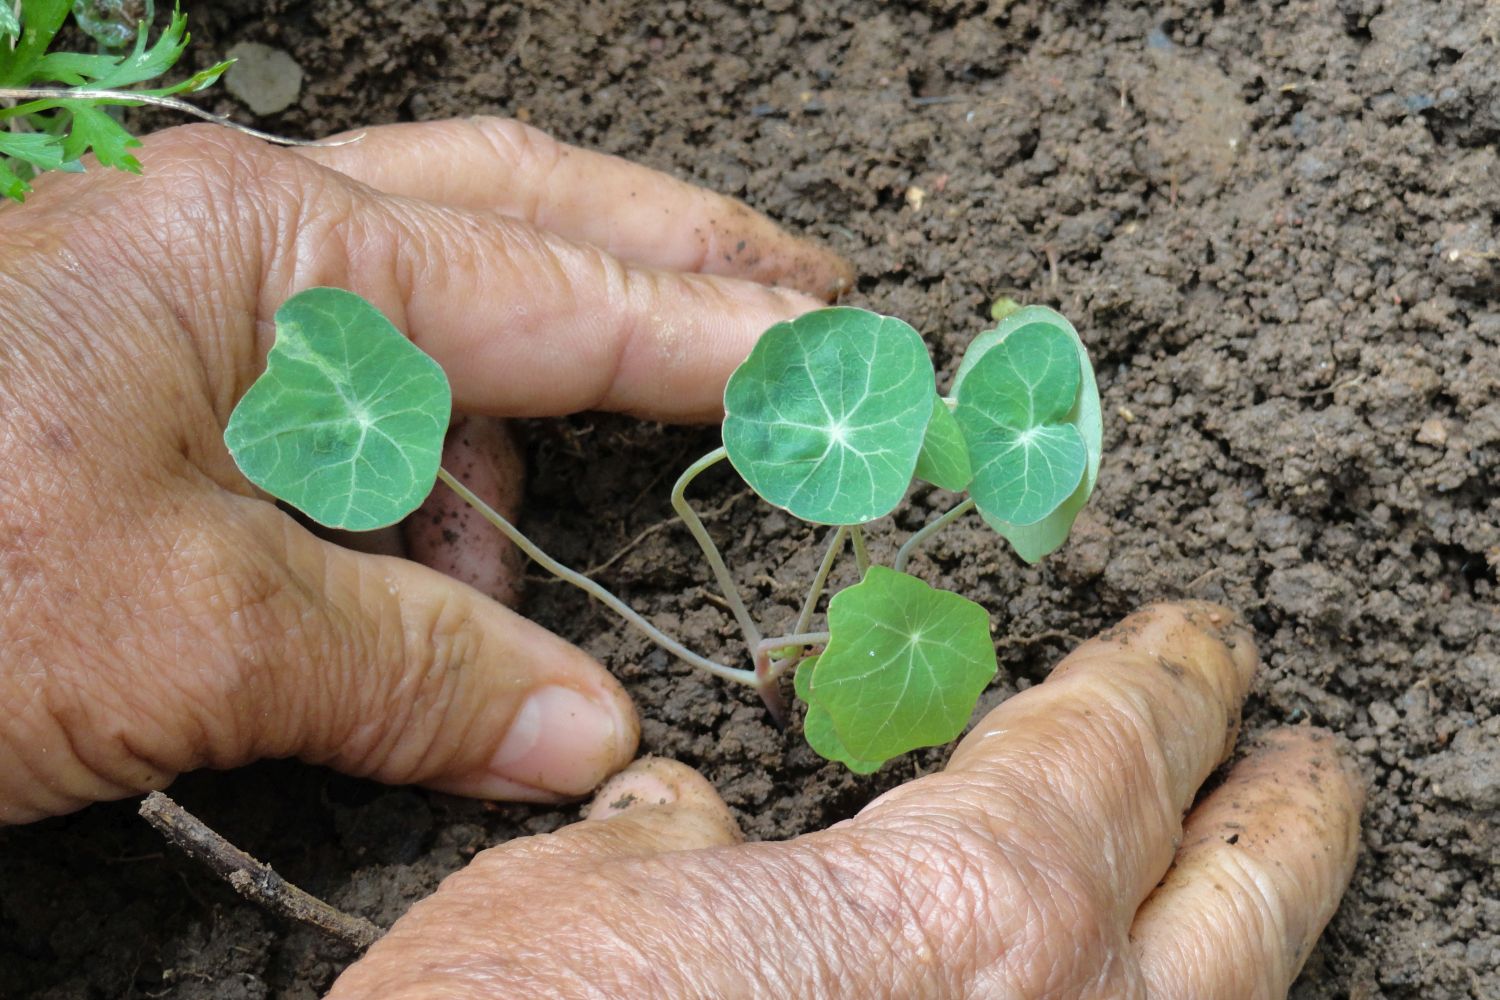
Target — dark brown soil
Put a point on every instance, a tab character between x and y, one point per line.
1275	225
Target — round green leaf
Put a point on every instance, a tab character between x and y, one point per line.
347	421
817	726
1032	542
827	415
904	664
944	460
1012	405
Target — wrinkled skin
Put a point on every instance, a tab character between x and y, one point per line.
161	616
1049	859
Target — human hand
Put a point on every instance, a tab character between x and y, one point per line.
160	616
1049	859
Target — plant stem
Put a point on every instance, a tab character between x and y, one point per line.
810	605
594	590
710	550
795	639
861	554
769	690
927	531
43	98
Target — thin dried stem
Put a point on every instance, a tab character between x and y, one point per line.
129	99
255	880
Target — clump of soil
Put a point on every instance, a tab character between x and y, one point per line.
1275	224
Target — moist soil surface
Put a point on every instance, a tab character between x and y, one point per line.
1274	224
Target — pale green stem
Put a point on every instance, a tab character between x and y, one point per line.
861	554
927	531
593	589
810	605
798	639
710	550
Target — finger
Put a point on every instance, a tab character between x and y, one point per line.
1095	767
524	322
1263	864
244	636
383	668
653	806
635	213
518	907
446	534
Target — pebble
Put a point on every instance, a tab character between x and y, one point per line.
267	80
1433	432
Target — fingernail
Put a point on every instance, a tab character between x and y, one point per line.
560	740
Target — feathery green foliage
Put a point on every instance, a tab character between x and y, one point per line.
53	130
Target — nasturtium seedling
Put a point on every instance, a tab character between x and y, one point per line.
827	415
347	421
830	417
904	664
1032	542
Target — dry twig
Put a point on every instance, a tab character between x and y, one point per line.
255	880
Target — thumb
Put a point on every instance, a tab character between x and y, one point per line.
407	676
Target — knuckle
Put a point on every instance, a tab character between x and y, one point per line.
249	618
1001	873
210	200
211	165
1129	753
1010	863
399	709
213	191
528	154
195	175
440	636
897	909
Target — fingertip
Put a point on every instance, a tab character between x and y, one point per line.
641	784
1263	863
829	276
1225	626
785	261
560	743
1321	761
657	793
450	536
657	781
